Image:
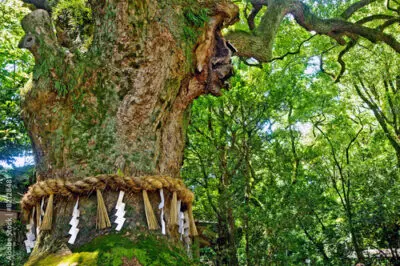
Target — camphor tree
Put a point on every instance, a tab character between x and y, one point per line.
113	82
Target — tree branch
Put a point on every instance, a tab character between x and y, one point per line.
337	28
294	52
351	143
259	43
319	245
296	164
383	123
321	62
349	45
374	17
253	13
355	7
388	23
373	100
205	185
335	159
392	107
391	8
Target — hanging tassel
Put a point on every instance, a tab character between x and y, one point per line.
173	212
151	218
193	229
48	215
41	214
102	221
186	225
178	209
38	218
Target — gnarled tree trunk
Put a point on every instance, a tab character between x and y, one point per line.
122	105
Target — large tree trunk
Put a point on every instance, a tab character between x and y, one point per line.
122	105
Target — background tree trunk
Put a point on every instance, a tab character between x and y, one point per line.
122	105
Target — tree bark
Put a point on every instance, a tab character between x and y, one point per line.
122	105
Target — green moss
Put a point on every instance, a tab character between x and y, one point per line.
194	19
186	20
82	258
148	249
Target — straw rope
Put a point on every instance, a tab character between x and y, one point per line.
173	213
192	224
151	218
102	219
48	215
65	188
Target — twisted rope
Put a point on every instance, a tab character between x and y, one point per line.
114	182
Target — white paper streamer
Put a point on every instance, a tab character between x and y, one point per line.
120	207
30	236
180	217
74	223
161	206
181	223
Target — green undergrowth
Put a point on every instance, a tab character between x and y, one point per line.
116	249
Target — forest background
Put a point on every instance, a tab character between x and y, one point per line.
298	161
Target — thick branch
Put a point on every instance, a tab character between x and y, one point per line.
388	23
373	17
250	45
259	43
355	7
337	28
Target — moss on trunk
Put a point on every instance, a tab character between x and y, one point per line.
127	248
